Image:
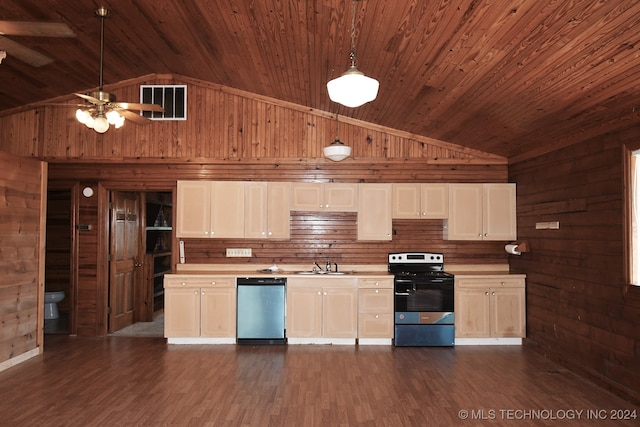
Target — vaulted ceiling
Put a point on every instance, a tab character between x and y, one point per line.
515	78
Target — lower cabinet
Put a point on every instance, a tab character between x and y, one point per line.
322	310
375	311
490	307
199	308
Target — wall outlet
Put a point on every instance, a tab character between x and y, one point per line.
238	252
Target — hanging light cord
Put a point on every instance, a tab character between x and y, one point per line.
352	55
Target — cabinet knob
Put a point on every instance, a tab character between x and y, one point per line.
270	233
325	292
206	233
493	293
486	293
202	292
213	283
377	315
377	284
184	283
195	293
377	290
319	293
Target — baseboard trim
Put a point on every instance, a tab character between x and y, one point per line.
19	359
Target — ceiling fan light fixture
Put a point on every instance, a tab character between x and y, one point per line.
100	124
113	117
82	115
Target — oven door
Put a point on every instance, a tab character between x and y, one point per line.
412	295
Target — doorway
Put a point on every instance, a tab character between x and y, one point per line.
59	258
140	243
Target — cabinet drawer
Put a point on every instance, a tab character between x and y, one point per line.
375	301
198	282
493	282
386	283
371	325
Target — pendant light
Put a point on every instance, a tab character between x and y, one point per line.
353	89
337	151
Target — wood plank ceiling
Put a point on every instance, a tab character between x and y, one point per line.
515	78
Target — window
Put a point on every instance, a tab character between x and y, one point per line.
173	99
632	215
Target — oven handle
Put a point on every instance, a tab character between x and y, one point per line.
403	293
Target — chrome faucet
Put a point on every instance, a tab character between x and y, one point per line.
328	266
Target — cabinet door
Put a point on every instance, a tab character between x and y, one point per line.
227	209
434	201
406	201
374	212
255	218
218	312
340	197
507	312
304	312
193	210
465	212
307	196
499	217
472	311
182	312
279	210
340	313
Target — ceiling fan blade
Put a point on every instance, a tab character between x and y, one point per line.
91	99
36	29
23	53
136	118
141	107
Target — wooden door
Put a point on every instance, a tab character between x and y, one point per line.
500	212
218	312
125	274
182	312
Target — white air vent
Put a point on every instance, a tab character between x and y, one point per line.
173	99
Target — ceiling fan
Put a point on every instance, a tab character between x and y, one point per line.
30	29
101	109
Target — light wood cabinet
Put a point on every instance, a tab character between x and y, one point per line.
322	308
481	212
328	197
375	309
210	209
267	210
420	201
199	306
490	307
374	212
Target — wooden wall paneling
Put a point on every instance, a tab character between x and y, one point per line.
576	309
22	207
222	123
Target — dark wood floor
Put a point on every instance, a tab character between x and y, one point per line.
143	381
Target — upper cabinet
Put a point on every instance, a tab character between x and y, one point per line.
267	210
328	197
210	209
374	212
420	201
481	212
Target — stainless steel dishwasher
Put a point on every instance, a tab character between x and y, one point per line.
261	310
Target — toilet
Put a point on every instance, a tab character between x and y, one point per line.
51	300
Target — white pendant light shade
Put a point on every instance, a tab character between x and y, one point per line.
337	151
353	89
